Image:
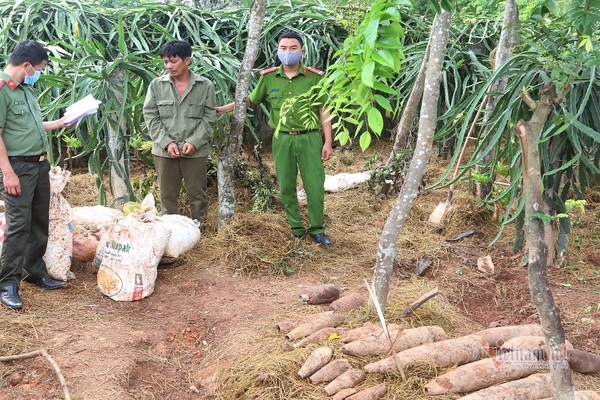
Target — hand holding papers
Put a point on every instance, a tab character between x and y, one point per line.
86	106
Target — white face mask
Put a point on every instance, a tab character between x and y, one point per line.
288	58
30	80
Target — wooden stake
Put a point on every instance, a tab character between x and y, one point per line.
419	302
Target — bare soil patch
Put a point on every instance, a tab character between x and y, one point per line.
216	308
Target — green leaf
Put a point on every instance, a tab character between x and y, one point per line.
382	87
371	33
546	219
365	140
384	58
375	120
367	75
448	5
383	102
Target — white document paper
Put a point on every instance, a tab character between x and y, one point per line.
86	106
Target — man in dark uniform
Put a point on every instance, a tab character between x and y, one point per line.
297	145
24	179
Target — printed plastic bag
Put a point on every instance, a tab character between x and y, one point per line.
129	253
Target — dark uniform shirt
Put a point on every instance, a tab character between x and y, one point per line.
21	119
275	87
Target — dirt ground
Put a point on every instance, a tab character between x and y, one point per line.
218	305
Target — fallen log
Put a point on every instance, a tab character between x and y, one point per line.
320	322
532	387
442	354
349	302
372	393
497	336
483	373
348	379
330	371
584	362
315	361
402	339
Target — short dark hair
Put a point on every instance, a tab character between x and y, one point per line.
176	48
290	35
28	51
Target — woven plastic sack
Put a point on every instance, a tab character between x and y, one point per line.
185	233
60	234
129	253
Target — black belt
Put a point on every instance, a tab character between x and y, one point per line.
298	132
38	159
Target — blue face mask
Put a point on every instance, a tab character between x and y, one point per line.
30	80
289	57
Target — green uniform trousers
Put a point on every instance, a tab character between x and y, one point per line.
170	172
293	153
27	221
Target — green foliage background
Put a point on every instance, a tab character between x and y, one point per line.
369	73
90	44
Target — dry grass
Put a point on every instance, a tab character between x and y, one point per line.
253	245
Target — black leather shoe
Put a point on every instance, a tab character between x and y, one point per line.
45	283
9	296
321	238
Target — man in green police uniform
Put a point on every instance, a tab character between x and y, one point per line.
24	180
297	146
180	114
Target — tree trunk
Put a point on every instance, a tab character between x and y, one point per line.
117	149
231	149
506	44
539	286
410	111
427	123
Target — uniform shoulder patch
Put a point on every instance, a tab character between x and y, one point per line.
268	70
315	71
10	83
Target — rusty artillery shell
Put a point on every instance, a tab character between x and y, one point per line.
351	301
348	379
315	361
317	323
497	336
532	387
583	361
321	294
372	393
401	338
330	371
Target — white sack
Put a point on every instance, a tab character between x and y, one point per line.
129	253
94	217
339	183
184	236
60	235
